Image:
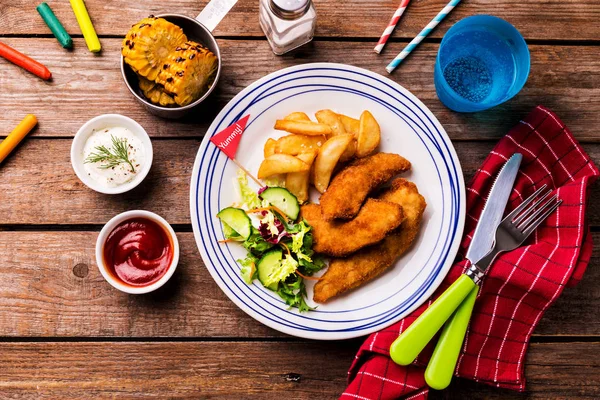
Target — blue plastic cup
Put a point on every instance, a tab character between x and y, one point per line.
483	61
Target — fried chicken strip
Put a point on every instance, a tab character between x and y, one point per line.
349	189
340	238
348	273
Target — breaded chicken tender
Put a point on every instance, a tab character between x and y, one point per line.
341	238
349	189
348	273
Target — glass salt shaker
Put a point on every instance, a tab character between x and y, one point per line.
287	23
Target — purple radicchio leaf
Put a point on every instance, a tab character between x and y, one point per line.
269	236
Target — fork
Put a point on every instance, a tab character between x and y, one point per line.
512	232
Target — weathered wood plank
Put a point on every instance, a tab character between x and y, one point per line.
564	78
38	185
190	370
243	370
51	287
548	19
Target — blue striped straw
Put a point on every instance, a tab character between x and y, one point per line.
415	42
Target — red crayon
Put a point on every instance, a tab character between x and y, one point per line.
25	62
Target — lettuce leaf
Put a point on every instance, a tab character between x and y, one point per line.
293	292
298	246
249	197
248	270
288	267
256	244
311	267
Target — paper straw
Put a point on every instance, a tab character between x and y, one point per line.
415	42
12	140
55	26
85	23
390	28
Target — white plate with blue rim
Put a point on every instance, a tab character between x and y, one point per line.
408	128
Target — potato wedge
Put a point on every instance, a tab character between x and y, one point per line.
297	116
350	151
337	127
303	127
328	157
330	118
281	164
352	125
270	147
297	182
297	144
369	135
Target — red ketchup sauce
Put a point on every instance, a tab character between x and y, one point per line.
138	252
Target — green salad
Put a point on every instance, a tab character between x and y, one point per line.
279	245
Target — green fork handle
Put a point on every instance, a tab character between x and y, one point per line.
441	366
409	344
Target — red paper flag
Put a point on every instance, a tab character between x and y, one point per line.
229	138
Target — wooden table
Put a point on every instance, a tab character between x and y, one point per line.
67	334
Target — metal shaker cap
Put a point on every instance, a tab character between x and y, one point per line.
290	9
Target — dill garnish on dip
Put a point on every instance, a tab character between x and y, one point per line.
113	156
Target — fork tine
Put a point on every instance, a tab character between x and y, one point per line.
549	210
529	210
534	211
524	204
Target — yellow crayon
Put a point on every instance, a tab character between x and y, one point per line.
85	23
12	140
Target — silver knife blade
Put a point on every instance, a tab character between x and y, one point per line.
485	232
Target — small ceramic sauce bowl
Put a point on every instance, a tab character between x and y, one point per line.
108	229
103	122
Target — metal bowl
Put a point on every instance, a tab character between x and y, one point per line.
195	31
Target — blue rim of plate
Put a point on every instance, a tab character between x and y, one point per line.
223	267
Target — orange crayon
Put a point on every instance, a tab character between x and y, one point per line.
15	137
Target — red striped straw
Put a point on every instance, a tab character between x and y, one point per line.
390	28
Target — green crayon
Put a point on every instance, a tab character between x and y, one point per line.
55	26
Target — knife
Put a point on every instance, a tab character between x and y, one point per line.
440	369
405	349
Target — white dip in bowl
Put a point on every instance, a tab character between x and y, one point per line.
105	172
111	153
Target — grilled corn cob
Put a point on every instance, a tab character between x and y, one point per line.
155	93
188	72
148	44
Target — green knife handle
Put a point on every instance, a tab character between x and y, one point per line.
409	344
441	366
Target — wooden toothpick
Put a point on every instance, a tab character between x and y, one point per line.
240	166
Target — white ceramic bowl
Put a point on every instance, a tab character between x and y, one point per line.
112	224
102	122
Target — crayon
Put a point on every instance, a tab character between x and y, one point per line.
85	23
13	139
25	62
55	26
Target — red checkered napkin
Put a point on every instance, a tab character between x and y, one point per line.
521	284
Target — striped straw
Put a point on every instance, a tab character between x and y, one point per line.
390	28
415	42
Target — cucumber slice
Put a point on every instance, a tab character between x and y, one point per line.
270	261
282	199
236	219
229	233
